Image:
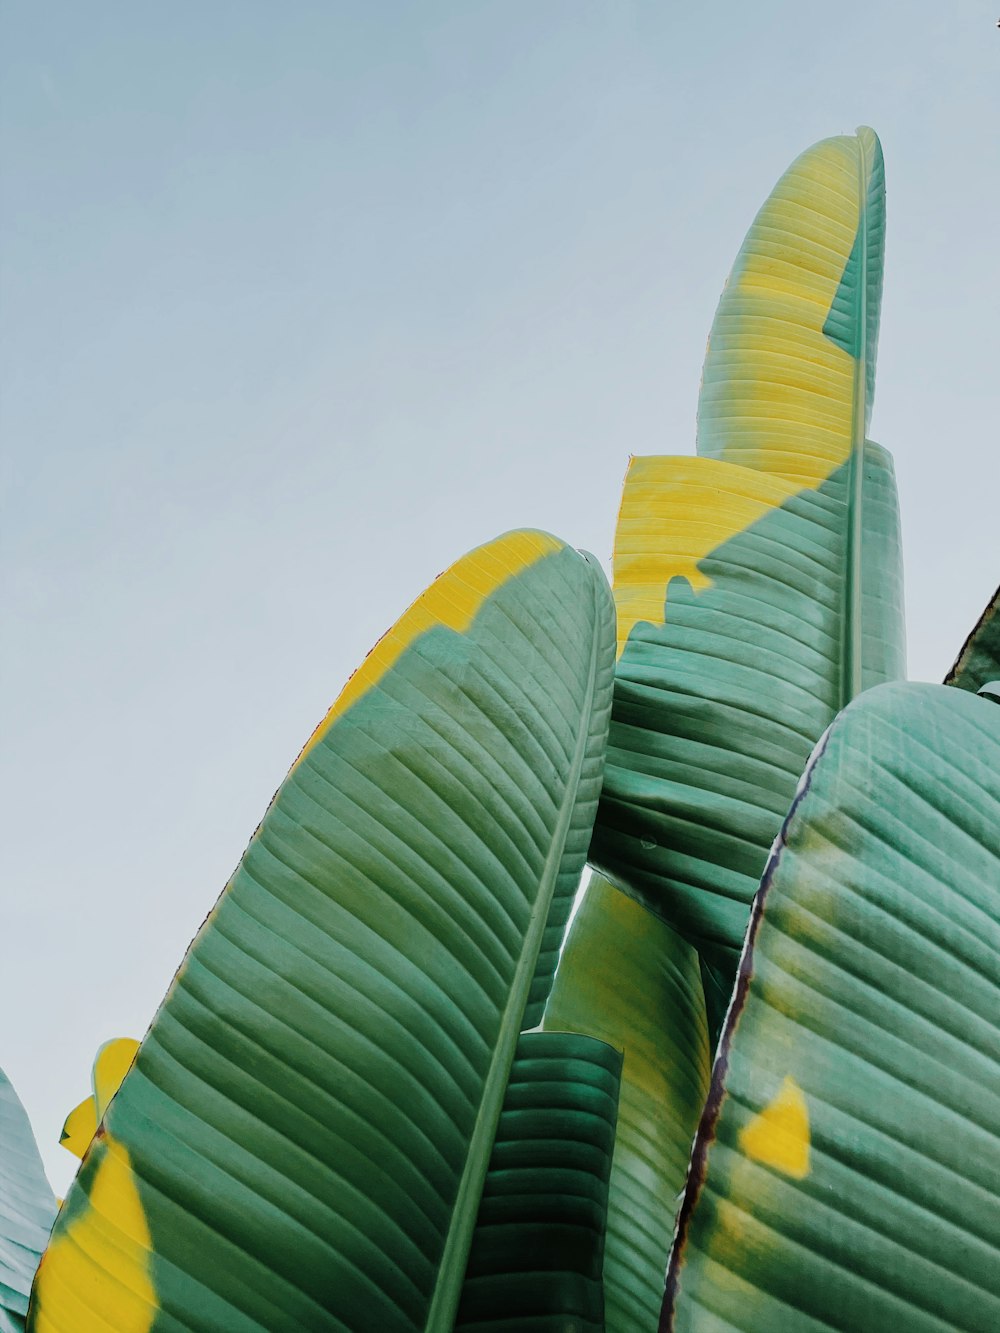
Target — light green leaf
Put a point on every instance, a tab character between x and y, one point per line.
627	978
536	1256
302	1140
27	1208
847	1170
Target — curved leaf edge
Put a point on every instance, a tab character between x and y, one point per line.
705	1135
591	729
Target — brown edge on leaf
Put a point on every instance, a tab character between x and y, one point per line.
705	1135
958	666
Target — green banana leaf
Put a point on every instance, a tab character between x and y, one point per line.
789	375
882	613
302	1140
27	1208
847	1167
758	586
627	978
536	1257
979	661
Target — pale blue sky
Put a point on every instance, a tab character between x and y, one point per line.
301	300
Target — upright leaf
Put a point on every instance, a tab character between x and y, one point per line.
789	375
27	1208
627	978
883	613
759	586
302	1140
536	1257
847	1168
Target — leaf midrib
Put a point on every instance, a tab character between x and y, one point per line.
451	1270
851	673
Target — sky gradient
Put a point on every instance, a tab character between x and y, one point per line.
298	302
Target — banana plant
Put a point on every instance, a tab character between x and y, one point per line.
407	1078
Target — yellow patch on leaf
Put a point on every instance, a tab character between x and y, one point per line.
95	1274
79	1127
113	1062
779	1136
674	513
453	600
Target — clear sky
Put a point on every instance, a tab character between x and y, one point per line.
302	300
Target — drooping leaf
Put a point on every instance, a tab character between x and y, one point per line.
302	1140
979	661
759	586
847	1167
536	1258
628	979
27	1208
111	1064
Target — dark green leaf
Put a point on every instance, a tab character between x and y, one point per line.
536	1258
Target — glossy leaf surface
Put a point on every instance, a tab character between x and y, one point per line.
979	661
731	666
27	1208
302	1141
789	372
627	978
758	586
848	1165
536	1257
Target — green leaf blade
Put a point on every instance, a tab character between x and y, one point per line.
730	672
759	586
848	1162
27	1208
789	372
536	1257
883	614
302	1139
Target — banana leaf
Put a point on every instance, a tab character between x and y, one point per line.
979	661
758	586
111	1064
789	374
627	978
847	1167
536	1258
27	1208
302	1140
